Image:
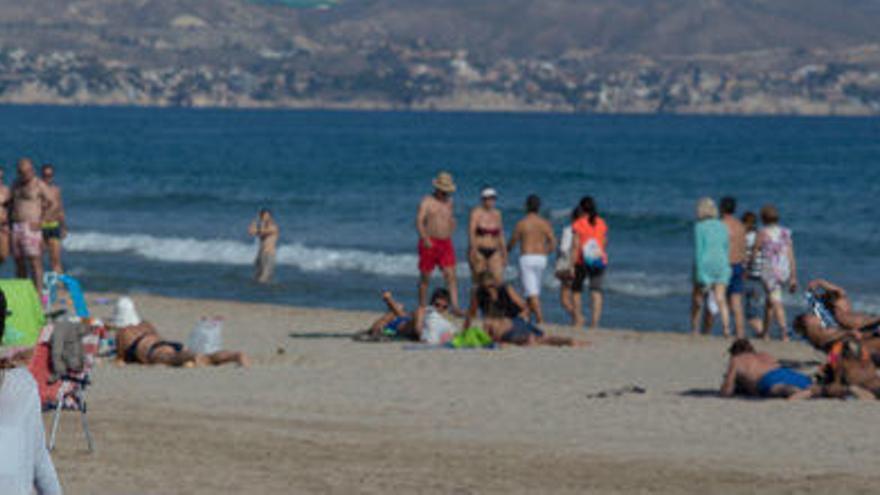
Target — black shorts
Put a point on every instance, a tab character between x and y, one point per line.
581	272
51	233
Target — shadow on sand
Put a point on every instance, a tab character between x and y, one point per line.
322	335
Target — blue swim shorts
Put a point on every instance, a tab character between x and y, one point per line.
783	376
735	286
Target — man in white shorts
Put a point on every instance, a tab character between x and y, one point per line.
535	236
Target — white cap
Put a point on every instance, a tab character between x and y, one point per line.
488	193
124	314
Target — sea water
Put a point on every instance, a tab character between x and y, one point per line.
159	200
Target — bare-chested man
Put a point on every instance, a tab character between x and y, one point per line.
759	374
435	223
824	338
266	230
54	226
31	198
5	204
535	236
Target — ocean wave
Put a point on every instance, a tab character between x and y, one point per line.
322	259
230	252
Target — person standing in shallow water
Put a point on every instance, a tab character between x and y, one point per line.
435	224
590	259
711	265
266	230
31	199
535	236
737	256
54	226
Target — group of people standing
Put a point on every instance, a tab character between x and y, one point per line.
32	221
741	269
581	252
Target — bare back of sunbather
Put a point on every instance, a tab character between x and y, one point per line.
142	344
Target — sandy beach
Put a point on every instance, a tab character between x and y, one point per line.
319	413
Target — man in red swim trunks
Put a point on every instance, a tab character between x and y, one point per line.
435	223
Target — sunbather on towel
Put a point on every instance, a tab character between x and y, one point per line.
838	303
504	316
426	324
138	341
759	374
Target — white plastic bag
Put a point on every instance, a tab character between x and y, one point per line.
207	336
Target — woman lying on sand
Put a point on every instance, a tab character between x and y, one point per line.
504	316
428	325
139	342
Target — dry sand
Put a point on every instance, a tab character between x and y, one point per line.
318	413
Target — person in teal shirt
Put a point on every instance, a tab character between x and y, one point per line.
711	264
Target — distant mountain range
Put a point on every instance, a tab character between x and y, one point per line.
703	56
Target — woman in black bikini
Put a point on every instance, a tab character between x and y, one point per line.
486	237
506	315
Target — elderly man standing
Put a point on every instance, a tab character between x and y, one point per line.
31	199
435	223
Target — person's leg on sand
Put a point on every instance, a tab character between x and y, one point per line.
424	280
779	313
720	293
595	308
36	263
577	313
534	303
697	299
452	286
4	243
735	302
170	356
565	297
222	357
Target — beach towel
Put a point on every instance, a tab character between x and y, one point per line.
472	337
25	318
815	305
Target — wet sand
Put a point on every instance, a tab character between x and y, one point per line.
318	413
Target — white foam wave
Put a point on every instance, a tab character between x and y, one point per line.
318	259
229	252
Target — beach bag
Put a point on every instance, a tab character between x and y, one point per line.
207	336
437	329
563	253
593	255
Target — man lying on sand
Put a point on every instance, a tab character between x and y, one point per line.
835	299
824	338
849	366
504	313
139	342
425	324
759	374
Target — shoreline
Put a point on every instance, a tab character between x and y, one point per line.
326	414
383	107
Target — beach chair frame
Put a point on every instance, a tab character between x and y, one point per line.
72	391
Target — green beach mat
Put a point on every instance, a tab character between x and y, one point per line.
26	320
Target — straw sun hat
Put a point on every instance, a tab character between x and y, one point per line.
443	182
